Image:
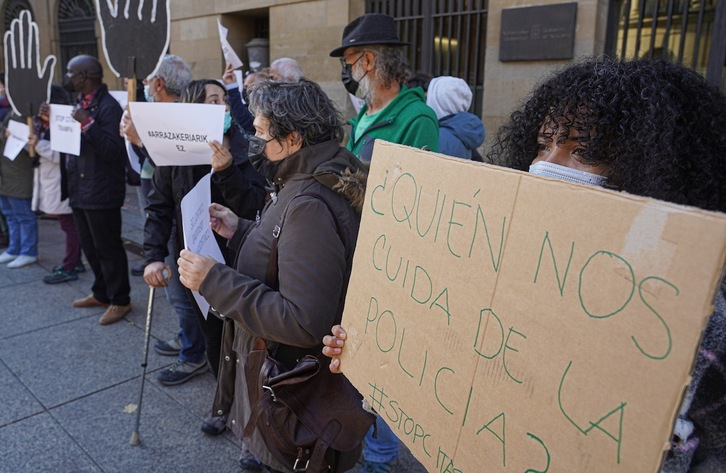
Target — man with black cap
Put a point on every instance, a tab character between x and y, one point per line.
374	70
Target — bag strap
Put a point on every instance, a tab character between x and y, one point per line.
289	354
271	278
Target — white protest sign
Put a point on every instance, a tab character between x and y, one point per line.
134	159
65	131
177	134
229	55
198	235
121	96
19	133
505	322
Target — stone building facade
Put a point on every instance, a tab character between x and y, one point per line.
308	29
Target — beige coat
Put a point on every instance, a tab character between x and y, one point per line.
47	182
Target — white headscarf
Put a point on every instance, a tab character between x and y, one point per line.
448	95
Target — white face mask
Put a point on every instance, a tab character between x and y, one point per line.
564	173
147	94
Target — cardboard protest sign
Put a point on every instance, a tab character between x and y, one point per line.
198	235
499	321
27	82
65	131
14	144
178	134
141	33
230	56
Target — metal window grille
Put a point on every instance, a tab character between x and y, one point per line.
76	26
12	11
448	37
692	32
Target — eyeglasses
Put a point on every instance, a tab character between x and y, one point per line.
257	144
344	59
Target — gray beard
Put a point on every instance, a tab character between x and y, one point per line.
365	90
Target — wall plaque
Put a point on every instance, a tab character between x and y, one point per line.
538	33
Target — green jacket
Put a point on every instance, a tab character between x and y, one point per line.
407	120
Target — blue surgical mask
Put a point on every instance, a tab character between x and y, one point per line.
227	121
543	168
147	95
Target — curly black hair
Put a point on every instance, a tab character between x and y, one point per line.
658	127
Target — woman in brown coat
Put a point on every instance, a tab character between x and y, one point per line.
314	214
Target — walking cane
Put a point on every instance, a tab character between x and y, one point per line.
135	434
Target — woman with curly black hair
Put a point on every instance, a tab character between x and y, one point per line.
650	128
654	128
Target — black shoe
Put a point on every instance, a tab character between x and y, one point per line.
60	276
214	425
78	268
248	462
138	270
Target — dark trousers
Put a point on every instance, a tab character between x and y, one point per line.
73	245
100	235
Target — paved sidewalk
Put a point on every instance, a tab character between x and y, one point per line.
69	386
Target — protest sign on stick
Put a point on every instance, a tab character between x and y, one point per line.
500	321
27	82
198	235
178	134
134	39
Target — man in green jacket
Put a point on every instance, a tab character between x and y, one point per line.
374	69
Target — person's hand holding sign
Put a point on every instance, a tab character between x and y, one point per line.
80	114
193	268
222	220
221	157
229	77
27	82
140	29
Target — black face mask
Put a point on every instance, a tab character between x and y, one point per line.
68	84
256	146
346	75
258	159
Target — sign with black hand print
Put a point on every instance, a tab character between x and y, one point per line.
137	29
27	82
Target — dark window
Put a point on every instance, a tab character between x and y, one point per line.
448	37
76	20
12	11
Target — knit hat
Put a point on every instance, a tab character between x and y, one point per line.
371	28
448	95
